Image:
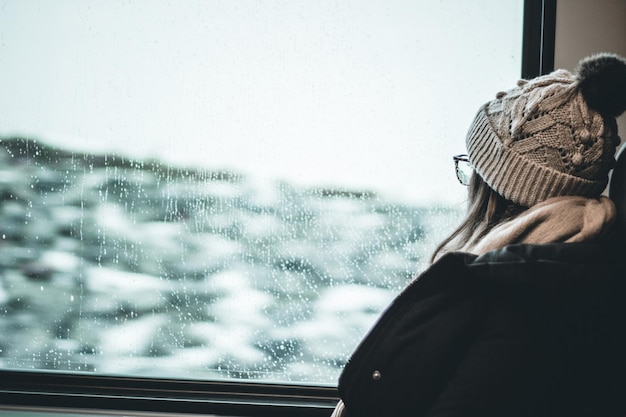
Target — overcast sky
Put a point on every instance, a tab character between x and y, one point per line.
358	93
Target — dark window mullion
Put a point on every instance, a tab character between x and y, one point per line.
538	37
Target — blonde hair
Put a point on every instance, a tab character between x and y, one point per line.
485	210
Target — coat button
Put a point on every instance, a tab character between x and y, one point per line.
376	375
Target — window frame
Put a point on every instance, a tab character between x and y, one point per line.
36	390
65	393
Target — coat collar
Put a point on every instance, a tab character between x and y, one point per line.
560	267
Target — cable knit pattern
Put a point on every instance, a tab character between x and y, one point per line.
541	140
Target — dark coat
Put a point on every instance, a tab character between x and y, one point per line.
528	330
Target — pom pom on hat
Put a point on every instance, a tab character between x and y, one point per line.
602	81
554	135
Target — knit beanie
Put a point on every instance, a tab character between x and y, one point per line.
554	135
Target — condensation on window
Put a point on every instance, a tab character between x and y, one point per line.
224	190
115	265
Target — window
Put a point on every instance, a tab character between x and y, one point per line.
228	191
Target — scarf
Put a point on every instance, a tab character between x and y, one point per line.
556	220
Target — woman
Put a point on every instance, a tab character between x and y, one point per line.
523	311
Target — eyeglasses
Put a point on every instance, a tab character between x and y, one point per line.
463	168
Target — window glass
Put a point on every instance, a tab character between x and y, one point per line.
229	189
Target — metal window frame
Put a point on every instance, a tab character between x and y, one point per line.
67	393
131	395
538	37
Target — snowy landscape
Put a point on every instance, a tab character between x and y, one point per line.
136	267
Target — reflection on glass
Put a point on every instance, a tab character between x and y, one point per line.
224	189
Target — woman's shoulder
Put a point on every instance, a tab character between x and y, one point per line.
558	267
572	253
